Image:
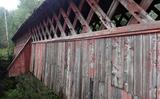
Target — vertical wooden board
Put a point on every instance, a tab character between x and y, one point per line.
153	68
46	65
77	71
158	66
115	93
108	53
125	95
40	61
36	61
146	65
117	62
37	65
85	65
32	58
70	72
52	64
138	65
128	64
56	66
92	73
102	69
44	60
72	68
59	77
49	65
95	63
98	60
63	69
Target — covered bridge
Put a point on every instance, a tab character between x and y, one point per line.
92	49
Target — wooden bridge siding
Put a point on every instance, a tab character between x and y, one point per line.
22	62
113	68
20	43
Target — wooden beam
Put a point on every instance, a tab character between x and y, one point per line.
85	25
112	8
39	33
67	21
47	31
33	36
145	5
80	8
59	15
102	16
52	27
90	14
59	26
138	13
43	32
37	39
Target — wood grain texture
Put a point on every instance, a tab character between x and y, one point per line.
107	68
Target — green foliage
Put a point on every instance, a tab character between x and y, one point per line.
28	87
13	94
6	56
16	18
2	29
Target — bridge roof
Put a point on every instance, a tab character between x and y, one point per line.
46	9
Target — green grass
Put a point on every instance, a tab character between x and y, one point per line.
6	56
27	87
3	53
22	87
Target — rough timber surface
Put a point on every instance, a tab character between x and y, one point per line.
122	67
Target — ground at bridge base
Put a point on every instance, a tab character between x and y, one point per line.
24	87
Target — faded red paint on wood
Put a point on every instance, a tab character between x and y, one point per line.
21	64
85	68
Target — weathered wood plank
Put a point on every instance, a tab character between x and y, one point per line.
85	66
117	62
158	67
108	58
153	68
138	65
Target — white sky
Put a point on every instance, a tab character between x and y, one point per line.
9	4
